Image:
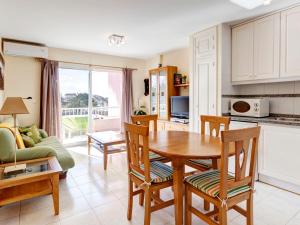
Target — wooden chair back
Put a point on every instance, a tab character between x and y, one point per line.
215	123
145	120
242	140
136	155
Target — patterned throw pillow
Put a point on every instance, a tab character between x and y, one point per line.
32	132
43	133
28	141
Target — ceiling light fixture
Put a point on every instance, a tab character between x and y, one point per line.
116	40
251	4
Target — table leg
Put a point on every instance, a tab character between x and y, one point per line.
178	176
105	157
89	145
55	193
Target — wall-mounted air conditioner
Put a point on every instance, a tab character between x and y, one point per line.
23	49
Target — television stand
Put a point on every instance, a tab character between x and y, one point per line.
179	120
165	125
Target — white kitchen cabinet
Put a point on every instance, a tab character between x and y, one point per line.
203	88
256	50
279	156
267	47
290	44
242	52
205	43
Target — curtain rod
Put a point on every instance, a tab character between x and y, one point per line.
86	64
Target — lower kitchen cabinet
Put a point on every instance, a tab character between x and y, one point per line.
279	156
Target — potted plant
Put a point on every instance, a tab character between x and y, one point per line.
184	79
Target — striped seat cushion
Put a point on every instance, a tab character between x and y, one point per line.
209	183
206	163
159	172
153	156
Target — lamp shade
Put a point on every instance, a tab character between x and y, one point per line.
13	105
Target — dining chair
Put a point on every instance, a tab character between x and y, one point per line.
221	189
214	124
146	120
150	177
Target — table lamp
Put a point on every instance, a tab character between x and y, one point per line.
13	106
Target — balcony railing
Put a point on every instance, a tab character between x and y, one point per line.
75	121
101	111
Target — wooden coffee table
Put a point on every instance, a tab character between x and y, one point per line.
107	142
41	177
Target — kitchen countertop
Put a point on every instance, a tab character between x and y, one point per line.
283	119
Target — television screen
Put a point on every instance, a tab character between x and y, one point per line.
180	106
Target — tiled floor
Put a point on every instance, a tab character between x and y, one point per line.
90	196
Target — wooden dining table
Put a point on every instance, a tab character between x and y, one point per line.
180	146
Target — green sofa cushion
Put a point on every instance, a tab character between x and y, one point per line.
63	156
43	133
50	146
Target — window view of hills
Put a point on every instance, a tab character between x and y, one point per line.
80	100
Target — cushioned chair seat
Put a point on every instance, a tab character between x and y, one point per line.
63	156
155	157
206	163
209	183
159	172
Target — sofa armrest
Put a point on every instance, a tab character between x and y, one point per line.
35	153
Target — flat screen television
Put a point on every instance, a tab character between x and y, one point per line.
180	106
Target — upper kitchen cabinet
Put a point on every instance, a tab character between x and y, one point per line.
205	43
290	44
255	50
267	47
242	52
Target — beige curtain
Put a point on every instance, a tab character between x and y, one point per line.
127	97
50	115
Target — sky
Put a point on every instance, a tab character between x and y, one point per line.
76	81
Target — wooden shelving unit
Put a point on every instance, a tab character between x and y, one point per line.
181	85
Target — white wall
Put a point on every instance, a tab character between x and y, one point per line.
23	76
22	79
179	58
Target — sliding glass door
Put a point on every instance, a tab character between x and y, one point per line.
90	102
106	100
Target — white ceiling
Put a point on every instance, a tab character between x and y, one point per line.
150	26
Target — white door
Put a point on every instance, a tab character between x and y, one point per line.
242	52
267	47
204	85
290	44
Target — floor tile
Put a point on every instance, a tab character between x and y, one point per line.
40	217
10	211
86	218
91	196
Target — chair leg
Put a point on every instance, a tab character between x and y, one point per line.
105	158
222	216
188	204
142	197
206	205
147	207
130	199
250	210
